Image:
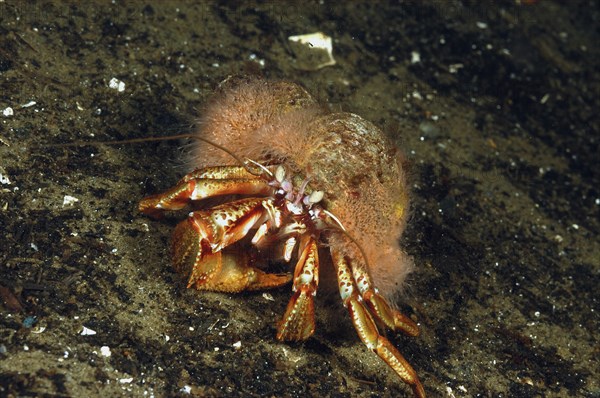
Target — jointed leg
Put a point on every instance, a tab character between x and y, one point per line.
298	322
199	240
204	183
379	307
366	328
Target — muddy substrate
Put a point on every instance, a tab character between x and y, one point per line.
494	103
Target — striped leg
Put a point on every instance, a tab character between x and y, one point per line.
202	184
298	322
198	242
379	307
365	325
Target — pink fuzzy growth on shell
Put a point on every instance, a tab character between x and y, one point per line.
390	268
288	136
364	183
376	224
244	117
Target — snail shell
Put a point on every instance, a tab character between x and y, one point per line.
345	156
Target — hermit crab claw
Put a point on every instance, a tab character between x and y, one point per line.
209	268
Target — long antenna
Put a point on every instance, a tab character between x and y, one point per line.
245	164
340	228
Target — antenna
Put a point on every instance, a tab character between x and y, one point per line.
245	164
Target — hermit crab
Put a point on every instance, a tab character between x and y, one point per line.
277	175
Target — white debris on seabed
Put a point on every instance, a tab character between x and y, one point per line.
87	332
558	238
105	351
237	345
415	57
27	105
254	58
4	179
126	380
39	329
313	51
69	200
454	68
8	111
291	356
268	297
116	84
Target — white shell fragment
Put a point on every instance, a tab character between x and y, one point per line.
415	57
105	351
268	297
4	180
313	51
87	332
27	105
69	200
116	84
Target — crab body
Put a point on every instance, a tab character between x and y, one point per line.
310	179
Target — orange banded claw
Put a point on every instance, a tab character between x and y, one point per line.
199	240
202	184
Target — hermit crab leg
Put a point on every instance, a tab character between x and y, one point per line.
379	307
205	183
298	322
366	328
199	240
